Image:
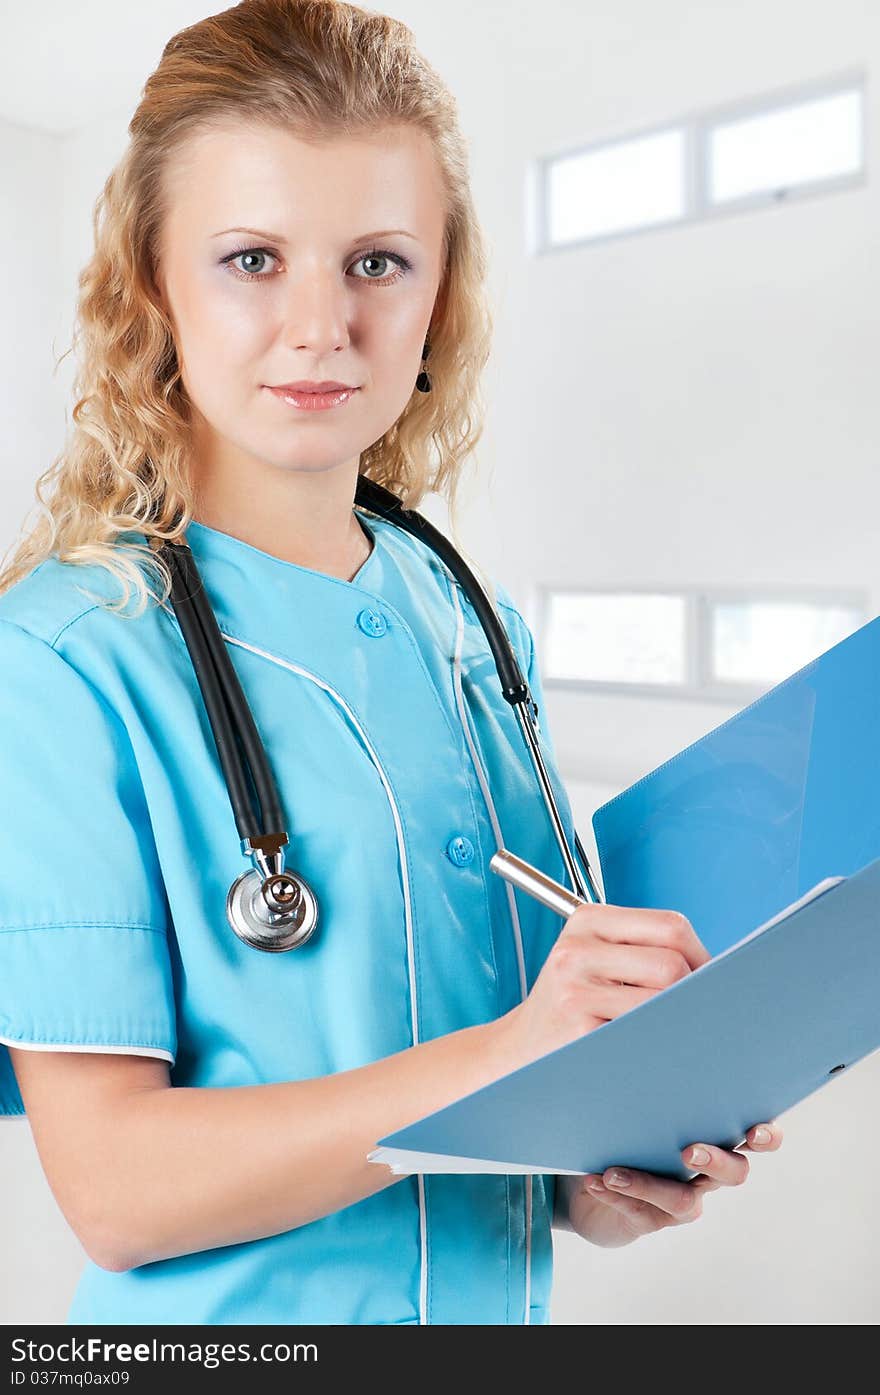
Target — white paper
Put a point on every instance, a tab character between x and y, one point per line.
405	1162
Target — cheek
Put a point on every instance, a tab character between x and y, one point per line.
222	340
391	384
392	342
222	319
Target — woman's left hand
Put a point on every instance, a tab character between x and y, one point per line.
616	1212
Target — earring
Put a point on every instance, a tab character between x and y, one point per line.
423	381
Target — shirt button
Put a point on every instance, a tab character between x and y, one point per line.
460	850
372	622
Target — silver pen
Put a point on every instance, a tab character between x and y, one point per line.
528	878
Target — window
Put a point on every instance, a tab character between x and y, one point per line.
616	638
708	644
755	153
764	641
631	184
774	152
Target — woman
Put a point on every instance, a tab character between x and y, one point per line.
293	207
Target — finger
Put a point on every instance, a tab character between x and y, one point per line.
763	1138
638	925
642	1217
609	1000
754	1143
676	1199
705	1184
725	1166
642	966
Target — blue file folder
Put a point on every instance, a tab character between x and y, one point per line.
771	820
745	820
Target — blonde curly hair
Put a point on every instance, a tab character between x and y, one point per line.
316	68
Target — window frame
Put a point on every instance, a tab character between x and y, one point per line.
543	167
699	603
706	122
696	127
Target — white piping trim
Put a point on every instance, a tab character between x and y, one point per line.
78	1046
410	954
511	900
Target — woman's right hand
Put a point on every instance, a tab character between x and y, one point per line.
606	960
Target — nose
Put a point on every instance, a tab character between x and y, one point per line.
316	312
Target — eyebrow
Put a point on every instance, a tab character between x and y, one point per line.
276	237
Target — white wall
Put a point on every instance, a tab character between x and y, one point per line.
43	1255
694	405
30	402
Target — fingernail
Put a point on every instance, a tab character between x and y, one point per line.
699	1156
762	1135
596	1185
619	1177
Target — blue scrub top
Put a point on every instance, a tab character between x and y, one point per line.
374	697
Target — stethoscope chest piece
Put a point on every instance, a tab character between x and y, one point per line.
268	907
273	913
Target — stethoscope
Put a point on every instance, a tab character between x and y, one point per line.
270	907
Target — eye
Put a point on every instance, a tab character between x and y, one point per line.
375	254
248	252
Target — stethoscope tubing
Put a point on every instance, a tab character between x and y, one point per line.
513	686
375	497
232	722
243	757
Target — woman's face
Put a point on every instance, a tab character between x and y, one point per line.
338	283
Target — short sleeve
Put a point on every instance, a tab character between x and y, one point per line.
84	957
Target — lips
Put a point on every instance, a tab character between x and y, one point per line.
309	400
303	386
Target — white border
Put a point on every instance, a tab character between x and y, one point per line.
79	1046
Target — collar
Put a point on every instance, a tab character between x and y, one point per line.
225	553
324	623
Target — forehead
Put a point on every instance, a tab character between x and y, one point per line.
243	174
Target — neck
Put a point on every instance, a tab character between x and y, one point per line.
300	516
